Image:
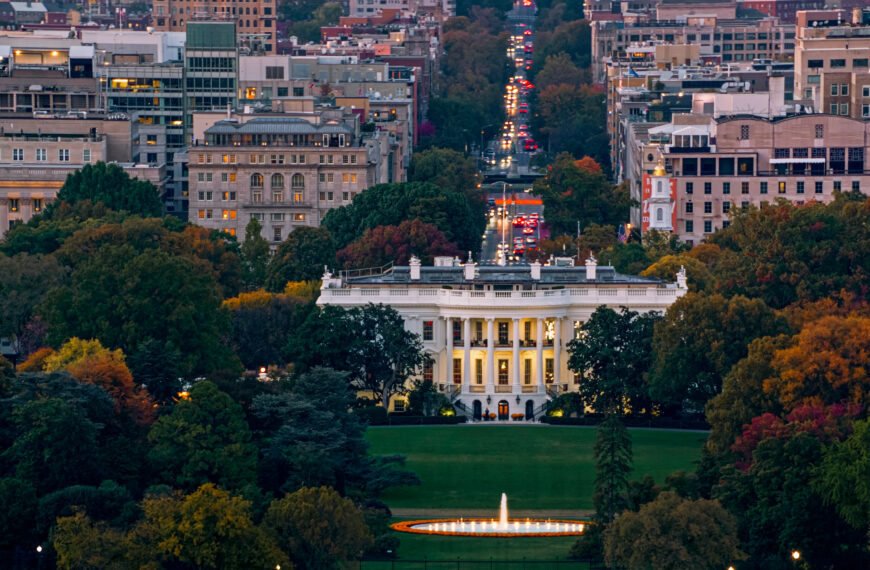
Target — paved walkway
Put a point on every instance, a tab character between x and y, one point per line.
492	513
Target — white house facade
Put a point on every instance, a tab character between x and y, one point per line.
497	335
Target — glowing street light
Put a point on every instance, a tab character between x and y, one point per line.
796	555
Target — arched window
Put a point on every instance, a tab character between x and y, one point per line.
277	181
659	186
659	215
256	180
297	182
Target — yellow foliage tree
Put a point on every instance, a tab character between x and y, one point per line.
75	350
307	290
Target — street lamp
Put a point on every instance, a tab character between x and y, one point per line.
796	555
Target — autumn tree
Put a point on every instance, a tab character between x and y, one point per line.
699	340
827	364
82	543
396	244
205	439
672	533
611	356
301	257
321	529
698	276
577	191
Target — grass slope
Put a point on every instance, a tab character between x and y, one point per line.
539	467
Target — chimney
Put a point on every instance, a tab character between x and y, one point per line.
591	265
415	268
469	268
536	270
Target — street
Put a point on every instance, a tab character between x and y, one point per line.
501	227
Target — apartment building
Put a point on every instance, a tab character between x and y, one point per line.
285	171
832	61
713	165
255	20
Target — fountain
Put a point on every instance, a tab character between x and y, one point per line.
500	528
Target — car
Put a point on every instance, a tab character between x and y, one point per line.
522	134
528	230
531	240
518	221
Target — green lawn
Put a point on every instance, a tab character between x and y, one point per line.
539	467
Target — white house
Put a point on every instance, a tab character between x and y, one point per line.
497	335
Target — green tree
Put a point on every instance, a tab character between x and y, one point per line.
613	463
699	340
82	544
321	529
24	281
843	477
261	323
156	366
208	529
558	69
392	204
205	439
17	513
577	191
445	168
611	355
301	257
255	256
110	185
672	533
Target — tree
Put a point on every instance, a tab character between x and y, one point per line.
392	204
205	439
321	529
110	185
426	400
156	367
81	543
17	513
613	464
843	477
699	340
560	70
699	277
301	257
261	323
827	364
154	295
445	168
577	191
396	244
255	256
573	120
209	529
673	533
24	280
7	374
611	355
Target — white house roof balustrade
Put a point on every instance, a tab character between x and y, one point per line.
497	336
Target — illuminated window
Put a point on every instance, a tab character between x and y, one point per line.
478	371
14	204
428	370
457	371
427	330
503	372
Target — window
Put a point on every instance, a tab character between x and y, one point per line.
844	89
41	155
208	214
298	217
276	159
763	188
228	214
838	186
865	111
744	187
297	182
345	177
865	91
690	226
820	131
781	153
345	196
208	176
726	187
744	204
230	195
838	63
859	62
856	187
708	227
277	217
708	207
274	72
726	223
276	234
86	156
708	187
781	186
819	187
353	178
815	64
800	187
503	372
37	202
201	214
478	371
398	405
225	176
14	204
527	371
427	330
834	88
322	159
726	207
548	370
527	331
298	91
690	207
63	155
690	187
277	197
844	108
277	181
744	132
457	371
428	369
257	197
256	180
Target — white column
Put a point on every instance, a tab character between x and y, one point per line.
490	356
557	350
466	359
517	388
448	324
539	346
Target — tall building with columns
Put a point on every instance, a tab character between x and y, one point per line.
497	336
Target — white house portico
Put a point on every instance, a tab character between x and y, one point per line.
497	335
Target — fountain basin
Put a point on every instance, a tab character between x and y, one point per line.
492	527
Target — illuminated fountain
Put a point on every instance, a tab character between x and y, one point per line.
503	527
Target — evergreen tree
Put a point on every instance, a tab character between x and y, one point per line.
613	464
255	256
